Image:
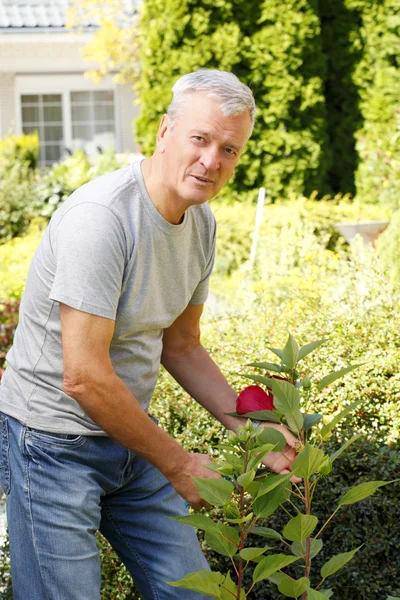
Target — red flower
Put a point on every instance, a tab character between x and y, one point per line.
1	372
254	398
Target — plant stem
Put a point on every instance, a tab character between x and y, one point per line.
307	557
326	523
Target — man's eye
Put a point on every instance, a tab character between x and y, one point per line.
230	151
199	138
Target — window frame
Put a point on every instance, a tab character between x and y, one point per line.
63	84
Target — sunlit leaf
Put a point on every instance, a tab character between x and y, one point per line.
334	375
308	461
198	521
326	429
337	562
246	478
315	595
228	589
266	505
299	548
290	352
308	348
287	401
300	527
224	540
269	435
271	564
204	582
261	453
277	352
266	532
214	491
251	553
293	588
271	482
267	365
259	379
363	490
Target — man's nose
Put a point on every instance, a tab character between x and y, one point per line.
210	159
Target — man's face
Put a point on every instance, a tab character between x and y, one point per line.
200	149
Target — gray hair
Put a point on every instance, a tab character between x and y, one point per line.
234	97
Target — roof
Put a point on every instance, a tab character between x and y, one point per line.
36	15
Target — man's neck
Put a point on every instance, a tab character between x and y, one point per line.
159	194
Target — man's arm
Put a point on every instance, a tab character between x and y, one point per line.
190	364
90	379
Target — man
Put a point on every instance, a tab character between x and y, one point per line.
116	286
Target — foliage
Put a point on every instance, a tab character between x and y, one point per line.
248	495
388	246
18	200
8	323
19	149
15	258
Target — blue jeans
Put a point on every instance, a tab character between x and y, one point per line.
61	489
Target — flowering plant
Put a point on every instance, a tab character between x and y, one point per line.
248	495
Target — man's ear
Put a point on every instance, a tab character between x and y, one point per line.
162	130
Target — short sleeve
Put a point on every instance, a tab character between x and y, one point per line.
201	292
89	251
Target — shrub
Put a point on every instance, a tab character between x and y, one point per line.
388	245
18	201
16	149
8	323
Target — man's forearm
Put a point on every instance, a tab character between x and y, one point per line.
198	374
108	401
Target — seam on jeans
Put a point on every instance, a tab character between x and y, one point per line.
30	516
132	550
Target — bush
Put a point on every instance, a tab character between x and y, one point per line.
8	324
18	201
16	149
388	245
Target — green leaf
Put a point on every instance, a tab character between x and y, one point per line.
250	553
269	435
214	491
336	454
259	415
290	353
359	492
271	482
308	348
277	352
221	468
337	562
393	598
326	429
310	420
287	401
204	582
198	521
326	466
300	527
334	375
293	588
267	365
246	478
315	595
299	549
328	593
259	379
260	453
228	589
271	564
266	505
266	532
224	540
308	461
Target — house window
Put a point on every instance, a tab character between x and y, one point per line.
93	122
70	121
43	113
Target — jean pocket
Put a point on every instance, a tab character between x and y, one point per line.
4	455
60	440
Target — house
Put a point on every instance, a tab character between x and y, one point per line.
43	88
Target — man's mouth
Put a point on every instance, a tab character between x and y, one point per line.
202	179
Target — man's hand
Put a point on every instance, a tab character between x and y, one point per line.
183	482
281	462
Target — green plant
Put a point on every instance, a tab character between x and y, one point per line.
16	149
387	246
18	200
247	495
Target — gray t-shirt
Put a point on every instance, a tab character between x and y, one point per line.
109	252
